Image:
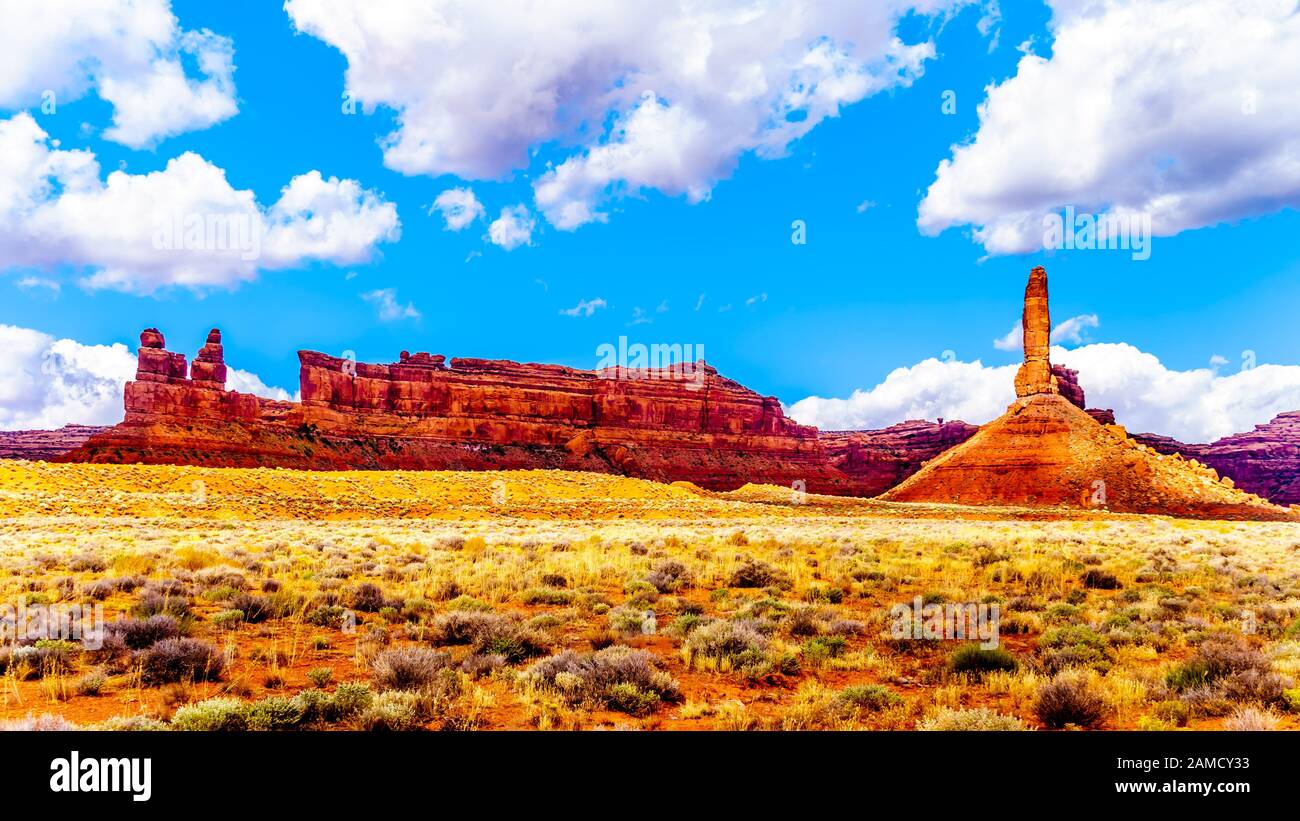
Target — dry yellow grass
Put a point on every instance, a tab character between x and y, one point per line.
568	556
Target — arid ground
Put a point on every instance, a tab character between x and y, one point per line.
276	599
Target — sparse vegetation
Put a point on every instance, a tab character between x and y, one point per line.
607	602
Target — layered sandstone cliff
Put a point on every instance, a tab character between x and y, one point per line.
423	412
1264	461
43	445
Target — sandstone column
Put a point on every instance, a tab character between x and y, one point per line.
1035	375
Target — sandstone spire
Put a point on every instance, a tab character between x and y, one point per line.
1035	374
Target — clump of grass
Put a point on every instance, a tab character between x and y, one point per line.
978	661
619	677
978	719
1068	700
1251	719
408	668
320	676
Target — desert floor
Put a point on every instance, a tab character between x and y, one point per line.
273	599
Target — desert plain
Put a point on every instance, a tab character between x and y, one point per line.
274	599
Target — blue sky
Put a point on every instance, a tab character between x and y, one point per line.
868	293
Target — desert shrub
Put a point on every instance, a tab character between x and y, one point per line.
617	677
755	573
255	608
977	661
154	603
46	657
489	633
320	676
478	665
1221	657
92	683
1098	579
979	719
87	563
228	618
275	713
350	698
824	594
181	660
1254	685
845	627
1206	701
327	615
214	714
1073	646
45	722
1067	700
631	620
138	634
394	710
867	698
1175	713
683	625
129	724
1250	719
408	668
668	576
367	598
725	643
822	648
803	621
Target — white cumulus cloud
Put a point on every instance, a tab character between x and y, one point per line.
183	225
1197	405
513	228
664	96
459	207
133	53
389	308
1183	110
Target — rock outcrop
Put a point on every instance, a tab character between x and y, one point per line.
43	445
1046	451
422	412
879	459
1264	461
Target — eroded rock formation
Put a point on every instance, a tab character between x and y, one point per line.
1047	451
423	412
1264	461
43	445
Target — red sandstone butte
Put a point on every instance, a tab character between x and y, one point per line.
423	412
